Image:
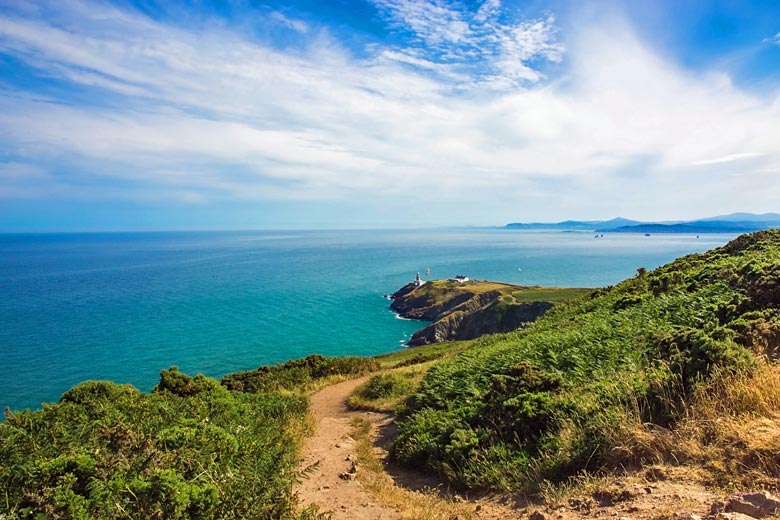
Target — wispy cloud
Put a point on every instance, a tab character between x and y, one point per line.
139	108
773	39
493	52
291	23
727	158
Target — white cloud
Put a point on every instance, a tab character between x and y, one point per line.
727	158
494	53
291	23
773	39
213	116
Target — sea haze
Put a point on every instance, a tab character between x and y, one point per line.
123	306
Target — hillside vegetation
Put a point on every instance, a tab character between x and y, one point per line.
193	448
590	384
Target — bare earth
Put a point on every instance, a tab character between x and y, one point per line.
330	447
650	494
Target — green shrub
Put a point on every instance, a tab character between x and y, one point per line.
382	386
191	449
298	373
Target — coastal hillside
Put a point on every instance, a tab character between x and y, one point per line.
633	373
470	309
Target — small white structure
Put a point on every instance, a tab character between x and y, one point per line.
460	279
418	281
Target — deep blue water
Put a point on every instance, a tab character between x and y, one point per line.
123	306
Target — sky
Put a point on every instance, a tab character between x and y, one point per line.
244	114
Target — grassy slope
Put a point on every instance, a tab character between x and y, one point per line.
438	292
552	400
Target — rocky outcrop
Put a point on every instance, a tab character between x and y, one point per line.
463	311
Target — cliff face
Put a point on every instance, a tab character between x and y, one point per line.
464	311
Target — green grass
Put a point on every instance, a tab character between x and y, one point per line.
549	294
384	392
422	354
544	403
439	291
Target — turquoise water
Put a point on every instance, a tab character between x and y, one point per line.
123	306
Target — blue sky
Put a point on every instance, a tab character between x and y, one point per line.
384	113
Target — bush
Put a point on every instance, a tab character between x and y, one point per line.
298	373
382	386
191	449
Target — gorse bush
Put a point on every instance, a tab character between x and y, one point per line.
383	386
544	403
190	449
298	373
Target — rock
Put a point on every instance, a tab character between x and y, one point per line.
347	476
536	515
685	516
717	507
757	505
733	516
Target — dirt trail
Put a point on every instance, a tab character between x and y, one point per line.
333	486
334	451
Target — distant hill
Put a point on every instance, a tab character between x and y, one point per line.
580	225
746	217
733	223
699	226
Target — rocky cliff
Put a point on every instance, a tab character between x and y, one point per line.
466	311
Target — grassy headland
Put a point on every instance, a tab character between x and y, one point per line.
462	311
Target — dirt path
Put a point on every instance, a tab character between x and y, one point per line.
334	451
336	487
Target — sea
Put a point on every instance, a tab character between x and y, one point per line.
123	306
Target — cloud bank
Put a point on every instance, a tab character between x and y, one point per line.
106	103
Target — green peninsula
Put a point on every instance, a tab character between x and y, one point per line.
467	309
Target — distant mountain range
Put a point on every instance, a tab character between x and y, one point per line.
734	223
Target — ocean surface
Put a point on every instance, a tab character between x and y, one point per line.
123	306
